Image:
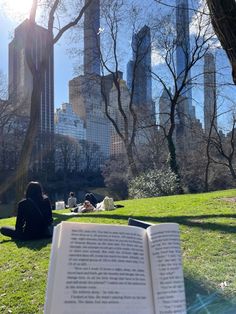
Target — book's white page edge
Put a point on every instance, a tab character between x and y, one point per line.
167	227
52	268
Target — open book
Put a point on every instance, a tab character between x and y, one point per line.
111	269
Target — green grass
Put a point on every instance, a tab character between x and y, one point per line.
208	234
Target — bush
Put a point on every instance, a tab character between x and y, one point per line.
154	183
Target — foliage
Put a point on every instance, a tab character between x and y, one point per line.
154	183
207	233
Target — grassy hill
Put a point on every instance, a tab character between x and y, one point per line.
208	234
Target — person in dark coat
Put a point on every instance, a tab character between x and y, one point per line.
34	216
91	198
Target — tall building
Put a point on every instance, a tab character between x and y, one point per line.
85	96
86	99
139	71
68	123
20	77
210	108
164	109
183	52
117	145
92	38
85	90
21	83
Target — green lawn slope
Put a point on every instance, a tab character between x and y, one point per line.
208	234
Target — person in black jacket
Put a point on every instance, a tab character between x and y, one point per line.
91	198
34	216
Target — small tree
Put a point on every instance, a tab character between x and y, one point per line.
154	183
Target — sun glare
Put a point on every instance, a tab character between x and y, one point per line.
18	8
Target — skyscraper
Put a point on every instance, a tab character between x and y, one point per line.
21	83
183	52
86	99
69	123
85	90
20	77
164	109
92	38
139	69
210	110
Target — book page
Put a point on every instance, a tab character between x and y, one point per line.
103	270
167	272
52	268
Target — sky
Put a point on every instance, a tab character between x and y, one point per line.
9	20
13	12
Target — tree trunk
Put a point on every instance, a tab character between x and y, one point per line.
223	15
172	158
26	152
131	162
231	169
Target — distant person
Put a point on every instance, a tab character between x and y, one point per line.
72	201
87	207
91	198
34	216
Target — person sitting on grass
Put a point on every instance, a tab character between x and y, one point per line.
72	201
34	216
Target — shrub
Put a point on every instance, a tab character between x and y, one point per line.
154	183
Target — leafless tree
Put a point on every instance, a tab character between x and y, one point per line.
225	147
66	149
123	113
90	157
167	45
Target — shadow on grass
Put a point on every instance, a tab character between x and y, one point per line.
200	300
190	221
35	245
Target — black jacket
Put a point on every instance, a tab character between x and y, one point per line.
33	218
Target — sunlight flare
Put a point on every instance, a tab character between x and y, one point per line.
18	8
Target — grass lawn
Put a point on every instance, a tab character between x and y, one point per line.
208	234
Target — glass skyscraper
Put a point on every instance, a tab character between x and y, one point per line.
21	82
20	77
138	69
183	53
92	38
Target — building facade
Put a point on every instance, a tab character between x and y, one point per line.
21	84
210	107
183	54
69	123
87	102
20	77
85	93
117	145
139	73
92	38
